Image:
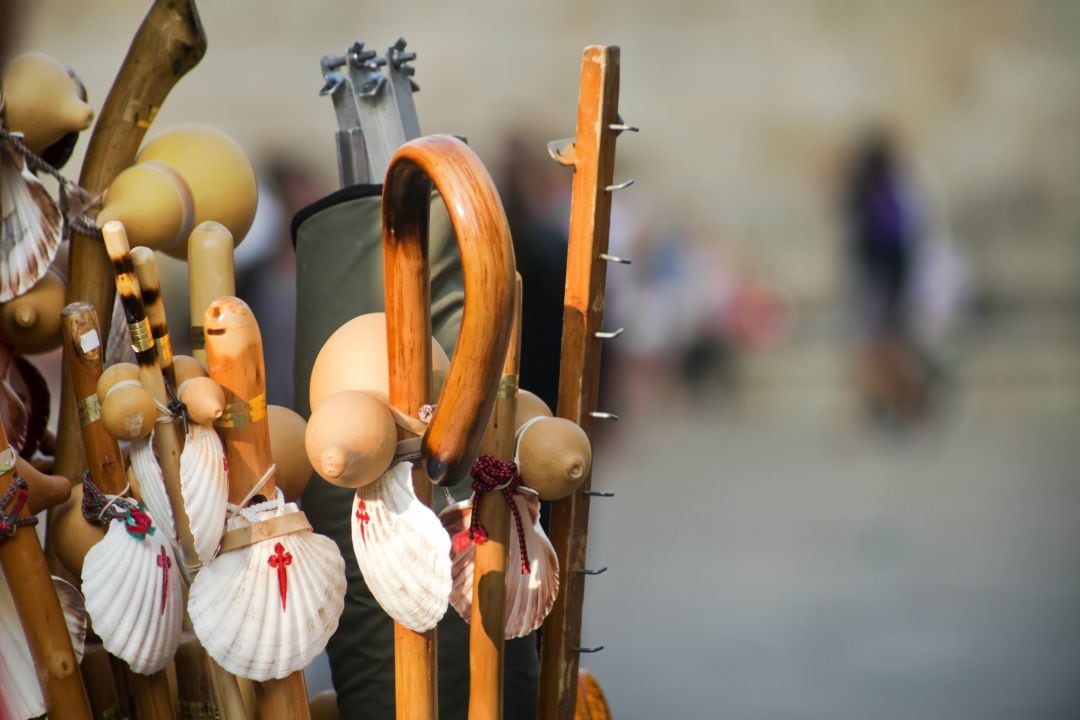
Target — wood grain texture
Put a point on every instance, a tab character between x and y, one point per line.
153	700
234	354
169	42
146	272
579	371
487	625
210	276
487	260
41	617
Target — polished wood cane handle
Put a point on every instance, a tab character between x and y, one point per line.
487	262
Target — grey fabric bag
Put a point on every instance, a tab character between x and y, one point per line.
339	275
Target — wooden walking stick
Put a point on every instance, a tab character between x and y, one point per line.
210	276
487	623
169	42
35	599
235	355
83	354
459	420
592	155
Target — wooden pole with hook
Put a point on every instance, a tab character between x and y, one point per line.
593	159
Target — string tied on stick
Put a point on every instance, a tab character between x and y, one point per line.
74	201
99	508
16	496
490	474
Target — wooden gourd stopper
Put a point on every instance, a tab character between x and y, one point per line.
234	356
154	204
204	399
351	438
42	618
42	101
45	490
210	276
554	457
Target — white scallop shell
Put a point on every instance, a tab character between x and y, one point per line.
20	693
529	598
144	464
31	229
204	484
402	550
134	597
251	626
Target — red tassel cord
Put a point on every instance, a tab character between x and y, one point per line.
16	495
489	474
99	509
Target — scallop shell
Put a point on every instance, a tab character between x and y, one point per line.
134	597
204	484
267	610
144	464
402	550
31	230
20	693
529	598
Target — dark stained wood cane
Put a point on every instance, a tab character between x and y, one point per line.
593	159
457	426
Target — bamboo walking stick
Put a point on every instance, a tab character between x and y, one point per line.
487	625
459	420
593	158
235	356
35	599
169	42
83	354
167	438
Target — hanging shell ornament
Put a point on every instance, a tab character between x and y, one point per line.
204	483
266	609
31	229
147	471
134	593
402	550
20	693
529	596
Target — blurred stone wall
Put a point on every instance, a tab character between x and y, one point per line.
747	109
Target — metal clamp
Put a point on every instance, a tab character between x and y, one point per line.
599	493
620	186
613	259
587	571
603	415
609	335
586	650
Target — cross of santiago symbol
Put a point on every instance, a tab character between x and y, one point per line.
164	563
279	560
363	517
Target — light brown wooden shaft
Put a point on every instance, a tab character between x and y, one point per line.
153	700
210	276
169	42
146	272
168	442
579	370
487	624
41	617
234	355
228	693
487	260
83	354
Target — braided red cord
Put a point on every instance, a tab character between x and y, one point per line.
489	473
16	495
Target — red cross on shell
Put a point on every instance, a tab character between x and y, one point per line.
363	517
279	560
164	563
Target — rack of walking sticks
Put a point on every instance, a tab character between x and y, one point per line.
178	570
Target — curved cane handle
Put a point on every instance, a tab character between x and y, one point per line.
487	261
